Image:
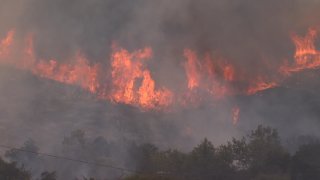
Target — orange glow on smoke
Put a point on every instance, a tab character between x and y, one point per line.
6	43
202	75
228	73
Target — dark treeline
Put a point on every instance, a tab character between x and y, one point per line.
258	156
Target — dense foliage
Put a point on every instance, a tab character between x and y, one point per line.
258	156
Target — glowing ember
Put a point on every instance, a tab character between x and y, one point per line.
235	115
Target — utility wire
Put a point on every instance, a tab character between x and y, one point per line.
70	159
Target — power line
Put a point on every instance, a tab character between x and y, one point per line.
75	160
70	159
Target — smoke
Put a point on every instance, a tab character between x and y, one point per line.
254	36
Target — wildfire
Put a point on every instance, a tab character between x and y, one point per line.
129	80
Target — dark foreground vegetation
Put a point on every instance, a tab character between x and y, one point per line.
258	156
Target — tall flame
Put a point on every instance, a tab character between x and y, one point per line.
306	56
192	69
201	74
127	69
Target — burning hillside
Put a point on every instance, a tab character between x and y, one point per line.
129	81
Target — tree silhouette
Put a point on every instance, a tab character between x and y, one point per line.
10	171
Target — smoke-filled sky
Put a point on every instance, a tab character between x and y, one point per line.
254	36
246	32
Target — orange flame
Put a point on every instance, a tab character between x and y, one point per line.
260	85
127	69
306	56
192	69
132	82
202	75
79	73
